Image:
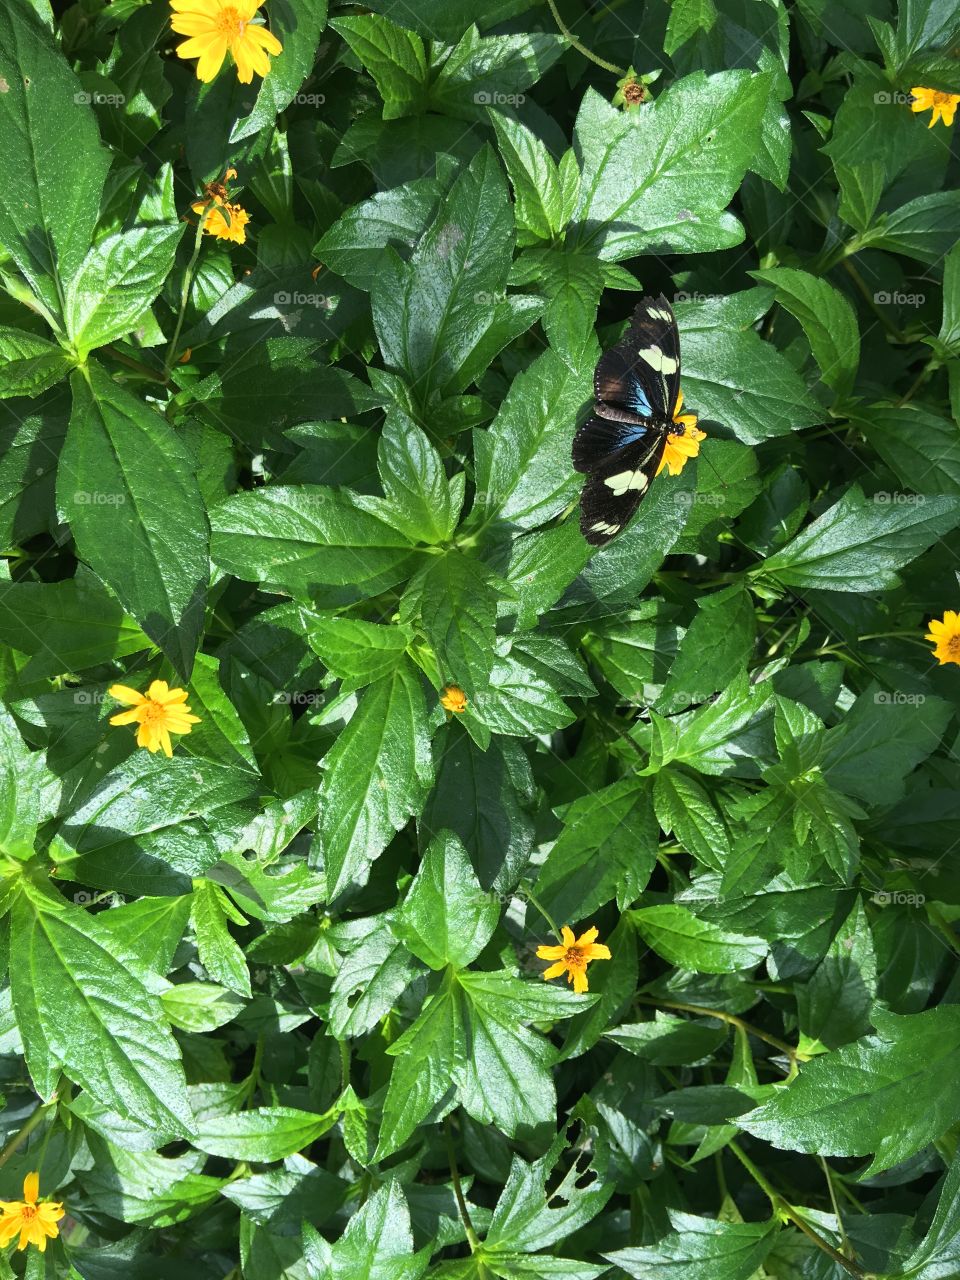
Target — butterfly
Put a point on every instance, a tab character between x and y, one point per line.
622	446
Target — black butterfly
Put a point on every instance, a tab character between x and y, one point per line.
636	384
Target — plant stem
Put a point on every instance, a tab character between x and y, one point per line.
144	370
793	1054
580	48
845	1244
782	1208
472	1239
546	915
344	1063
36	1118
184	297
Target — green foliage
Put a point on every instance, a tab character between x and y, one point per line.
272	1007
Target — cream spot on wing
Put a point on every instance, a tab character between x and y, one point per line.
658	314
625	480
601	526
657	360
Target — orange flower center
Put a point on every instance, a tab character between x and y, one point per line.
942	99
151	712
574	958
28	1212
953	646
230	24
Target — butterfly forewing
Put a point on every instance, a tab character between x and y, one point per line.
636	384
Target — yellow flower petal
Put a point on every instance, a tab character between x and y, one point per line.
567	936
554	971
31	1187
123	693
550	953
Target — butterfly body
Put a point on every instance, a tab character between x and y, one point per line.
621	446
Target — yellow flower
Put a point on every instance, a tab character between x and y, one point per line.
453	699
35	1222
946	637
159	712
682	444
216	26
573	956
943	105
230	227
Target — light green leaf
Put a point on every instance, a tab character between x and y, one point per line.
220	954
676	934
65	987
446	917
128	487
394	56
30	364
261	1134
375	777
297	25
828	320
701	1249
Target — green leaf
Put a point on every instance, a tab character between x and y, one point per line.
950	326
395	57
486	797
538	195
151	552
883	737
670	1041
701	1249
27	791
432	313
888	1094
676	934
858	543
66	626
732	376
144	824
834	1006
924	229
491	71
431	1056
297	537
920	447
370	978
220	954
65	989
31	364
828	320
46	222
261	1134
454	600
353	247
523	471
687	17
684	809
715	737
607	848
446	918
717	647
414	480
939	1253
658	179
117	281
357	652
200	1006
298	27
377	1243
375	777
528	1217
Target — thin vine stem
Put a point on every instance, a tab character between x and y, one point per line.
793	1054
581	48
184	297
782	1208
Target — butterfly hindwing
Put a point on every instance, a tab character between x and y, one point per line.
619	478
641	374
636	384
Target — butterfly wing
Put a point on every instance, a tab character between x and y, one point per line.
640	376
621	460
